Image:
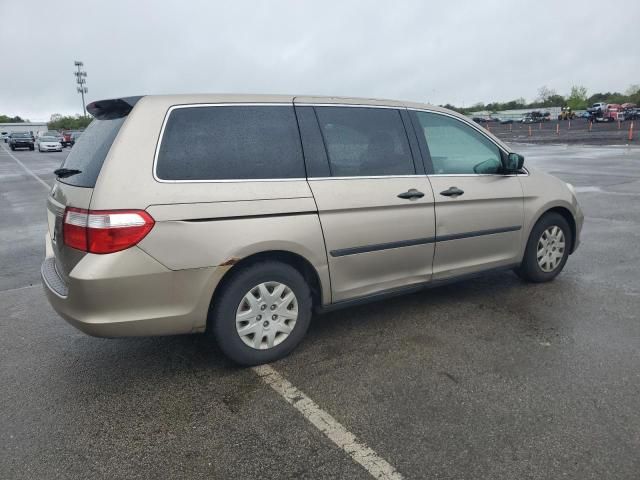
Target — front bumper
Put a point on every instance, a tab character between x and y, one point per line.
129	293
579	219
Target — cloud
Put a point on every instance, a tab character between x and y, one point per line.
459	52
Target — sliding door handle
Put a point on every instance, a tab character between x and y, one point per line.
452	192
411	194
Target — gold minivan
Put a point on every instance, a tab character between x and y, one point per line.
240	215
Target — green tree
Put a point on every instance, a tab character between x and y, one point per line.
555	101
60	122
7	119
578	97
548	97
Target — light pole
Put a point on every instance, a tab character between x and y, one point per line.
81	80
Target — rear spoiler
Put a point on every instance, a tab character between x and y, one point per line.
112	109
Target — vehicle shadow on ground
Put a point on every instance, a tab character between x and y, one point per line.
490	292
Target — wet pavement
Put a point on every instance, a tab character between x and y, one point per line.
486	379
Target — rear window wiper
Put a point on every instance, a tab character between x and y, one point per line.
66	172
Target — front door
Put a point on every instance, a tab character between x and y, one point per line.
479	210
376	211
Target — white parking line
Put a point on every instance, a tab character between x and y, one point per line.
45	184
377	466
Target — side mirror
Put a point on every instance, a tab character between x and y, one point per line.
514	162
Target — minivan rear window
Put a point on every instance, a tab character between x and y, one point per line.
249	142
90	150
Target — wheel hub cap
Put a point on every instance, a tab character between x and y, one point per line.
279	299
550	249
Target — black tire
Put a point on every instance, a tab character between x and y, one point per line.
529	269
13	149
222	316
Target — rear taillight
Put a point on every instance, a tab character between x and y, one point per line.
105	231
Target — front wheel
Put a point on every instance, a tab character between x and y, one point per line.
547	249
261	313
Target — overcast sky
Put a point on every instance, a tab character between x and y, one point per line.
460	52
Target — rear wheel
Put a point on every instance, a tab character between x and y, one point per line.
261	313
547	249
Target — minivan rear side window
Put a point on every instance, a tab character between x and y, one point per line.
230	142
363	141
89	152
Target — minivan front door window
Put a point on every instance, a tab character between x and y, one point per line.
456	148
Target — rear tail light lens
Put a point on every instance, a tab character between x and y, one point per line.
105	231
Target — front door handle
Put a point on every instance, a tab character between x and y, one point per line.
452	192
411	194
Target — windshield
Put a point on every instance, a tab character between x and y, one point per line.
21	135
48	139
89	152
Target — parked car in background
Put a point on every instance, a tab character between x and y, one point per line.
69	137
507	121
51	133
536	117
222	224
48	144
66	139
20	140
632	114
597	108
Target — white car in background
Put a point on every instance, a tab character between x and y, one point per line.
48	144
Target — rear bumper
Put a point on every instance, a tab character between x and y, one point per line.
129	293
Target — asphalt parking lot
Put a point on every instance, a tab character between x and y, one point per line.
486	379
